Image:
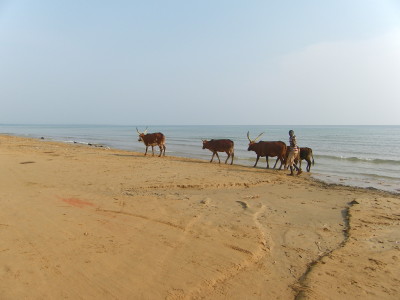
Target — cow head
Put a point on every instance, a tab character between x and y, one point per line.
252	143
205	144
141	134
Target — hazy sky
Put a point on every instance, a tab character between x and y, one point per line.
200	62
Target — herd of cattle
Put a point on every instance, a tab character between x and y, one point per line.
262	148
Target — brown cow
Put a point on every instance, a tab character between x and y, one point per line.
152	139
307	154
275	148
216	146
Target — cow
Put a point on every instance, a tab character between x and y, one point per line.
152	139
275	148
305	153
216	146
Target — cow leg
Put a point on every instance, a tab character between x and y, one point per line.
282	162
161	149
164	149
147	147
258	157
212	157
277	158
152	149
227	157
299	158
308	164
266	158
219	161
232	155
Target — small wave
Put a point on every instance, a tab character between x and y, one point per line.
377	176
75	142
360	159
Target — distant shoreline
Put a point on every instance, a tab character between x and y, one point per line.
310	176
348	155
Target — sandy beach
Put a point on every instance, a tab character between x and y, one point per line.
81	222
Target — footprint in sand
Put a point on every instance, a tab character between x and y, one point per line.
243	204
206	201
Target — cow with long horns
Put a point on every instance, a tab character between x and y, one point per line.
216	146
272	149
152	139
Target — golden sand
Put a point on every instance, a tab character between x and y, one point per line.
79	222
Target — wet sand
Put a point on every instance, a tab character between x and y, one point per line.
81	222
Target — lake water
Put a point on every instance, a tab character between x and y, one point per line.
364	156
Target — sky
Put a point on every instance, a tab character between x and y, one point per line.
200	62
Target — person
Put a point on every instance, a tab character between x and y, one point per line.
293	153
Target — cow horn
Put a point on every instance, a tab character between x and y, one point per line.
145	131
137	130
248	136
259	136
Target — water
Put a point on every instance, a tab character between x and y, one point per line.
364	156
